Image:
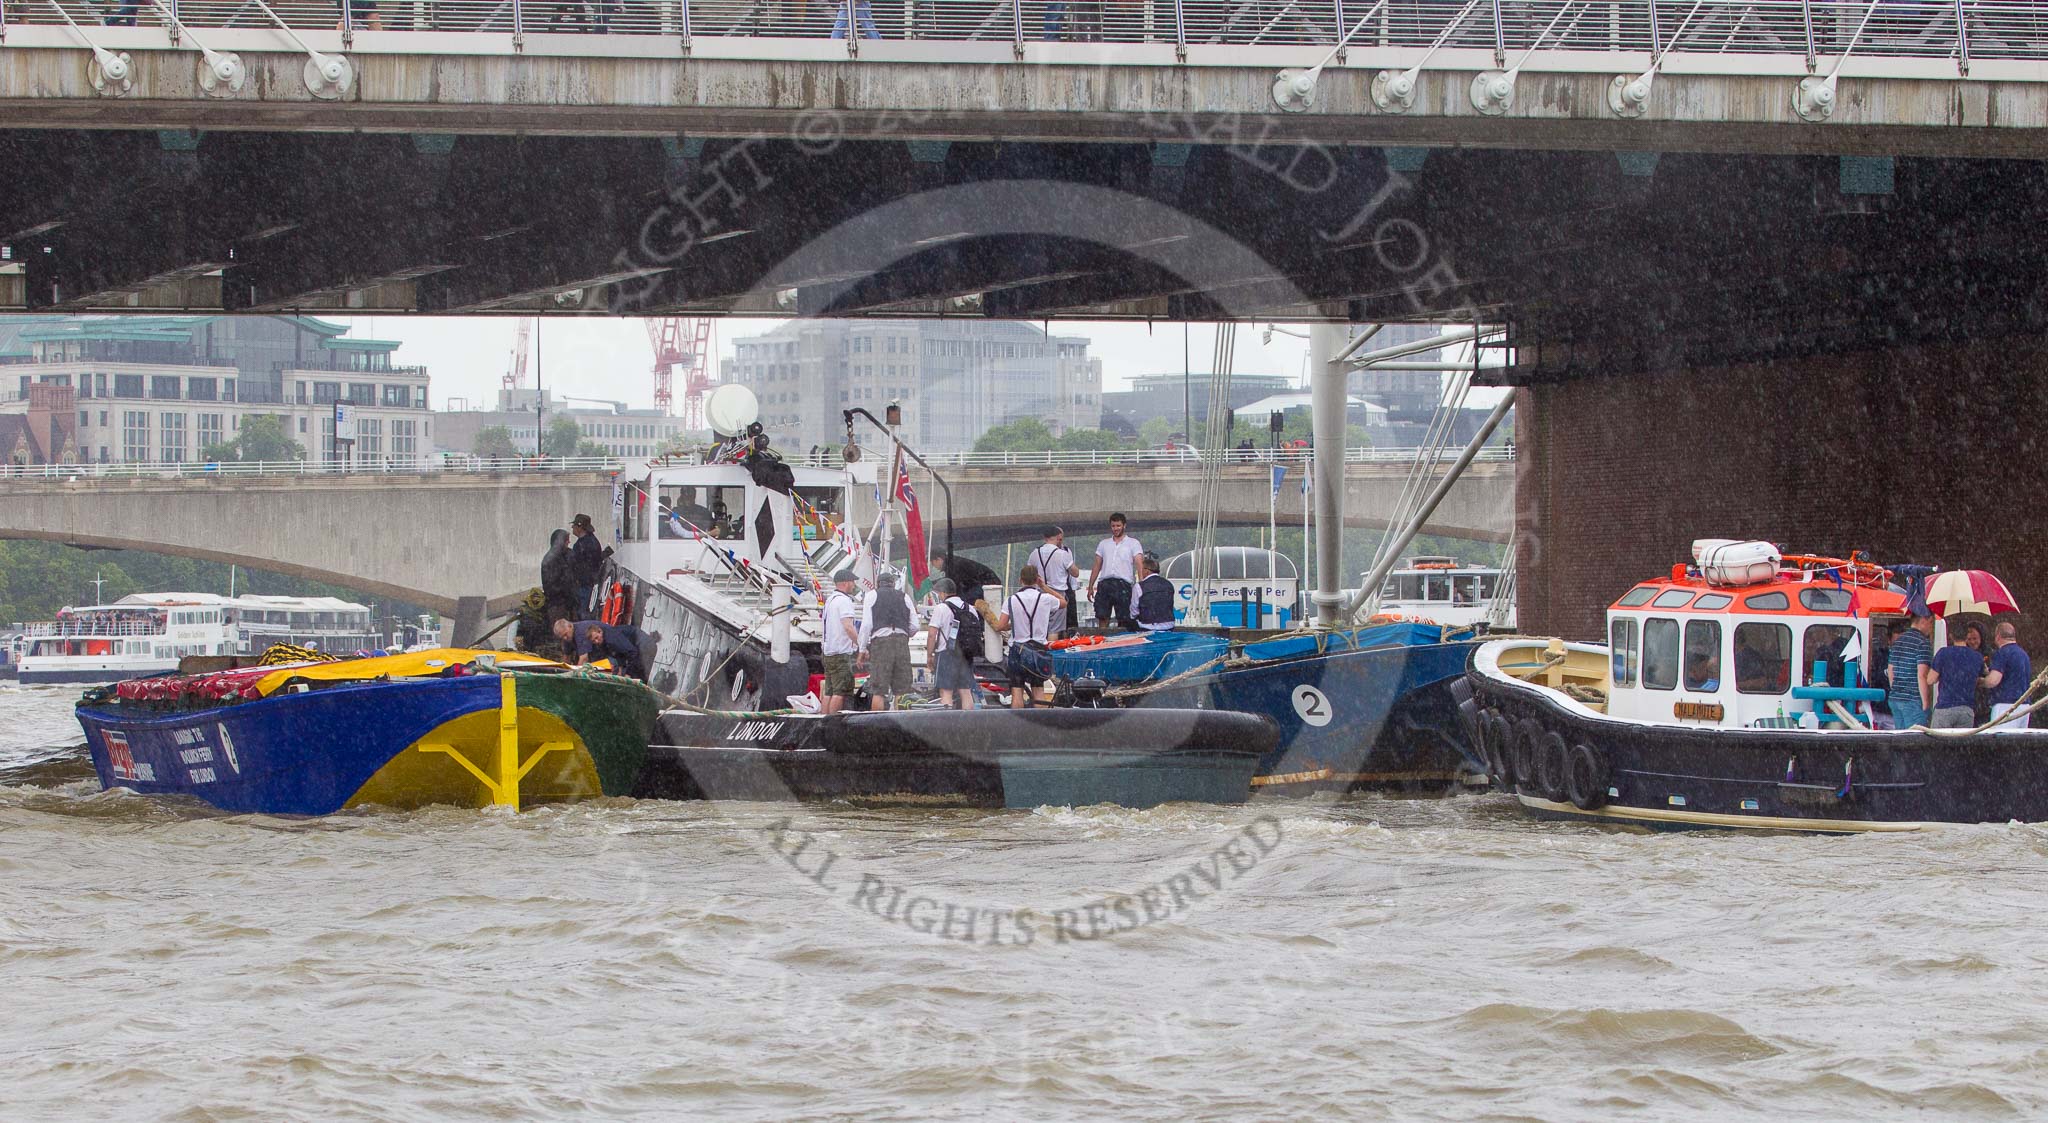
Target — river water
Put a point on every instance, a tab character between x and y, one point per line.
1369	958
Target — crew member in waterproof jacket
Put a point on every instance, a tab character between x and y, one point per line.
630	650
1152	597
557	580
586	561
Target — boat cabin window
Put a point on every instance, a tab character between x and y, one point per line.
633	515
1660	653
1672	598
1465	588
1639	595
1403	586
1181	567
1711	601
717	511
1767	602
1703	655
817	512
1436	586
1763	658
1823	644
1825	600
1625	650
1489	584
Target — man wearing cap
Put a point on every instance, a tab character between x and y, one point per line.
586	560
842	640
1056	567
886	620
1116	560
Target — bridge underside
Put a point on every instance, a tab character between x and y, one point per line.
1601	261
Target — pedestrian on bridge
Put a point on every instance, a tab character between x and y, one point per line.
1114	573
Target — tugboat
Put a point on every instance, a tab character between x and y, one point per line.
1731	694
456	726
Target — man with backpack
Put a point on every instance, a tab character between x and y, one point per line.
953	636
885	627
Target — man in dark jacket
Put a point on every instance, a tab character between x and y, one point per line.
557	581
630	650
586	561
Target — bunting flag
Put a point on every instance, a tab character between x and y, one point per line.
1279	474
913	526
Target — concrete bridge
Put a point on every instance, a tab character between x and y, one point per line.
440	538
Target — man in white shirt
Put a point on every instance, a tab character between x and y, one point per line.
1056	565
842	640
1028	617
952	672
887	617
1116	570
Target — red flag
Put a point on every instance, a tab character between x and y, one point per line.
913	526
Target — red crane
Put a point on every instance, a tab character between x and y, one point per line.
682	346
515	374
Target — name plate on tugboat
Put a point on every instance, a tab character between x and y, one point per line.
1696	711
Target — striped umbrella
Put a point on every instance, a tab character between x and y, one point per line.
1968	590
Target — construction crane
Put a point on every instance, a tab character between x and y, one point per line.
515	374
682	346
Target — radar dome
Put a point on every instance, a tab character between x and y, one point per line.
729	408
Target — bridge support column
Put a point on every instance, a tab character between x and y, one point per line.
1327	382
469	620
1926	453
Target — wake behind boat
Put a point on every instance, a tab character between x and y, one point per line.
1648	729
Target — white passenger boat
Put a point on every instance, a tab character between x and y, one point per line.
148	633
1443	590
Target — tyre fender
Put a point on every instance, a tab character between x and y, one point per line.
1586	779
1553	767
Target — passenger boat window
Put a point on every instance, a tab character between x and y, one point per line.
1672	598
1436	586
1465	589
1824	644
1711	601
1181	567
1768	602
1703	655
1763	658
1636	596
1488	584
1660	654
1622	647
1405	586
1825	600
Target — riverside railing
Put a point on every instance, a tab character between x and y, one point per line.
478	465
1706	36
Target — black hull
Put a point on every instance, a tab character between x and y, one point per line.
1771	779
979	758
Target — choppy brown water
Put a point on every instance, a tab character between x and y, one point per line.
1385	959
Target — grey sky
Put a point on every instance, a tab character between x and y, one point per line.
610	359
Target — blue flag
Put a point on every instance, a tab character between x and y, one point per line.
1279	473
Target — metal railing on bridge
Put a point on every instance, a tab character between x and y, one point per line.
478	465
1706	36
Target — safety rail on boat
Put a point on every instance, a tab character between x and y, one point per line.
480	465
87	629
1756	37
